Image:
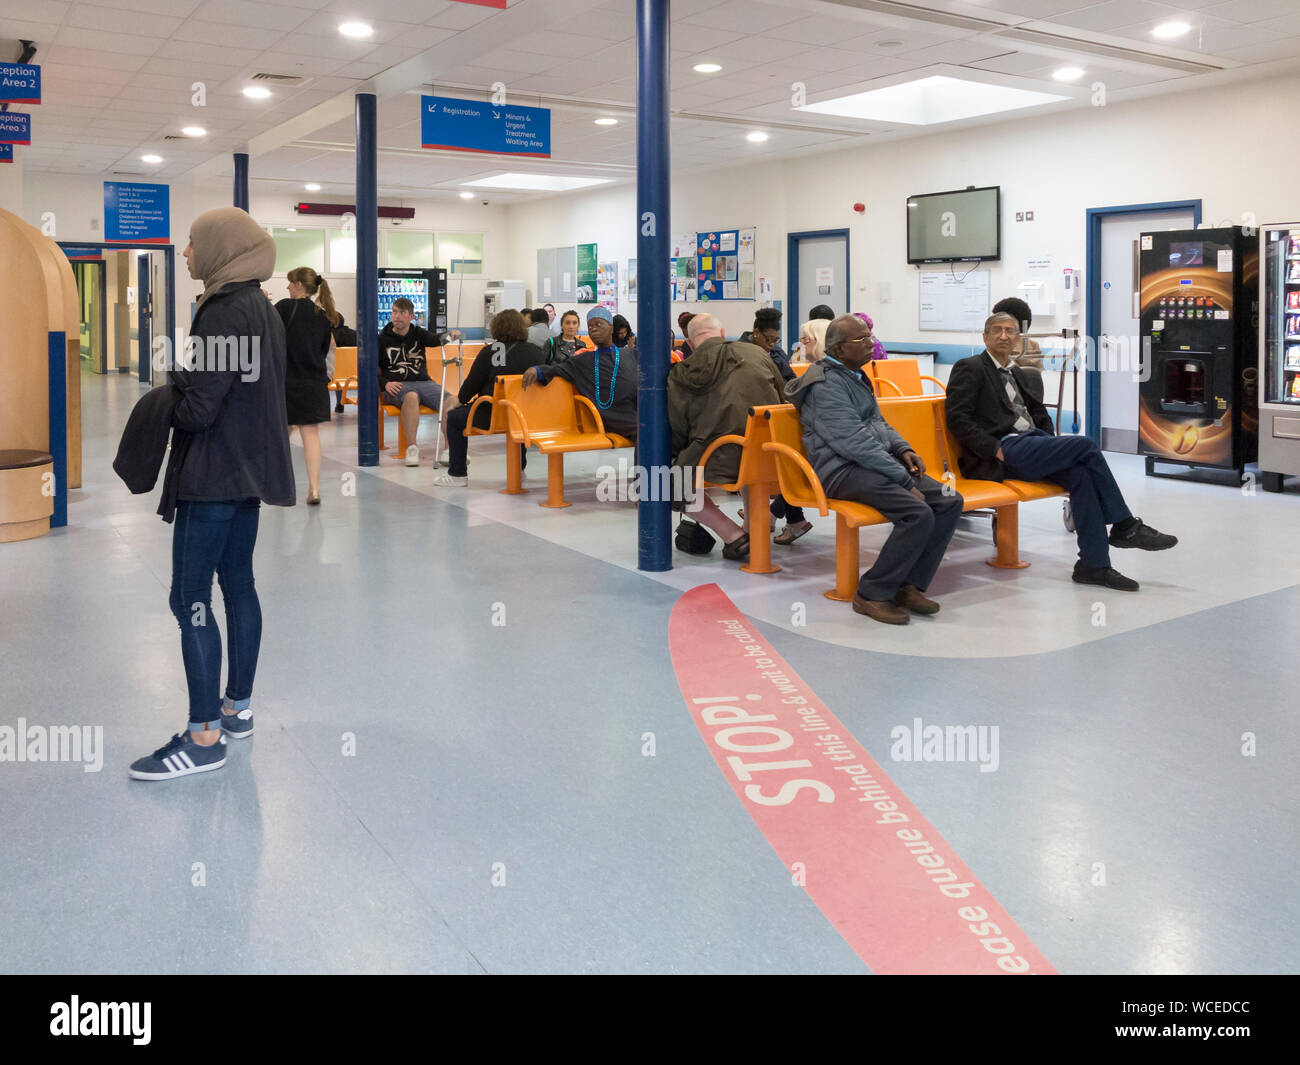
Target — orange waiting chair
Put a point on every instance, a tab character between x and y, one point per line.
558	421
345	374
903	374
757	475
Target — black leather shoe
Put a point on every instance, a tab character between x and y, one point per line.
1105	576
738	549
1143	537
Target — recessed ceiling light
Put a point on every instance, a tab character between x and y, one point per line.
194	131
356	29
291	229
706	68
151	158
934	99
256	92
536	182
1167	30
466	195
607	121
313	187
889	44
1068	74
757	137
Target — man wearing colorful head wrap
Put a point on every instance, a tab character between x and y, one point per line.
607	376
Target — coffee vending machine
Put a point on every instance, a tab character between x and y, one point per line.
1199	397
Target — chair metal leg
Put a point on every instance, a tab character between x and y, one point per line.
756	517
514	470
555	482
847	547
1008	556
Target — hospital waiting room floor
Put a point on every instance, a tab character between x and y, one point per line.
486	742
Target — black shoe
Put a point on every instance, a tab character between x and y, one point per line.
1141	536
737	550
338	409
1105	576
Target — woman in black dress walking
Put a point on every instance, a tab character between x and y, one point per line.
309	342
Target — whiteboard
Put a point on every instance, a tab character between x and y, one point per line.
954	303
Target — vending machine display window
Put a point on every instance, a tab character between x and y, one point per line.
1184	388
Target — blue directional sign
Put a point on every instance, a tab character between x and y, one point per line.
15	127
137	213
6	153
20	83
473	126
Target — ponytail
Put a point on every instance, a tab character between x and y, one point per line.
315	285
325	302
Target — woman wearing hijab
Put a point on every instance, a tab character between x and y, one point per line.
309	347
623	335
230	452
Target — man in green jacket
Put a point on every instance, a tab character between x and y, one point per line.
709	395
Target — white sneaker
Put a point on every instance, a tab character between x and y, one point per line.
413	455
446	480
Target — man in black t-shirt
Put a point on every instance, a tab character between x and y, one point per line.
404	380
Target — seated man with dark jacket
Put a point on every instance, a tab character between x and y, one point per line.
859	456
709	395
608	376
1006	432
508	354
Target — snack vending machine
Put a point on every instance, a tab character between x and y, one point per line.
1279	354
1198	400
426	289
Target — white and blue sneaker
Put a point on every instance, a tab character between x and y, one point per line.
180	757
237	725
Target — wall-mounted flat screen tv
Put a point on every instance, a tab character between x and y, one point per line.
963	226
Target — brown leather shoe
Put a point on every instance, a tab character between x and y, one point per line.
881	611
910	596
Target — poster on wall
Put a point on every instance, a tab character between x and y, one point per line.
725	264
631	281
586	273
607	286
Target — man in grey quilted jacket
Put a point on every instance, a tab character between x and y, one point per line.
860	457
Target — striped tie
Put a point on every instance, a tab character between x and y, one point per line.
1023	421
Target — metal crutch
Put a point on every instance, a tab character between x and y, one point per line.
459	361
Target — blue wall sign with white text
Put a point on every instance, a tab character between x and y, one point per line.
472	126
20	83
6	153
137	213
15	127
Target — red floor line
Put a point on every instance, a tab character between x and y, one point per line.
880	873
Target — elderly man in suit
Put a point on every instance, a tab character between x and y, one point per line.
1006	432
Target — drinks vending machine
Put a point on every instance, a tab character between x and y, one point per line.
426	289
1199	397
1279	354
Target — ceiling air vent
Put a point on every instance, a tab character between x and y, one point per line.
286	79
175	137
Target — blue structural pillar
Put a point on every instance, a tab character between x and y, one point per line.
241	180
367	228
58	352
654	332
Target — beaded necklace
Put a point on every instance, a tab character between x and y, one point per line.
606	404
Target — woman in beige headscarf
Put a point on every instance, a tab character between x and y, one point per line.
230	452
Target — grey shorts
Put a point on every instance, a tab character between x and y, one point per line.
430	394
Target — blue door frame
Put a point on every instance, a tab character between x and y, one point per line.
794	315
1092	295
168	250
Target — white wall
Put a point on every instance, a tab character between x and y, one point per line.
1236	147
77	204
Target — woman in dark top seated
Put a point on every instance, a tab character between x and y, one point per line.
623	335
309	340
567	343
508	354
